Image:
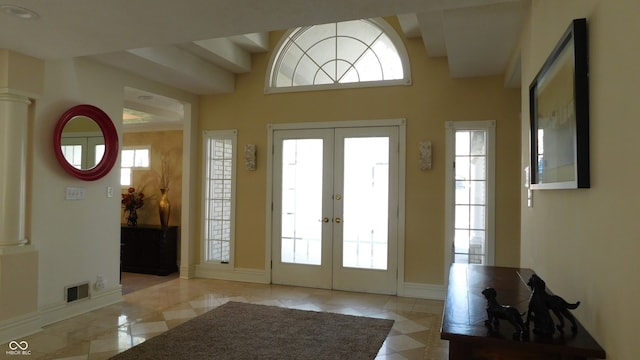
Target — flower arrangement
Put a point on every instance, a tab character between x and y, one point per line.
132	199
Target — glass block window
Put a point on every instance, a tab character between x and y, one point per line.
344	54
219	199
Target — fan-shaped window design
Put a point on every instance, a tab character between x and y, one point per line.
345	54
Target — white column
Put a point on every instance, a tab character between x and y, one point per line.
14	118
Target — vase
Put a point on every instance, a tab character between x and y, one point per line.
132	219
164	208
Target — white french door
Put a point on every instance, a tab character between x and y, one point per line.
335	208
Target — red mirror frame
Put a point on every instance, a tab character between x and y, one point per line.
110	142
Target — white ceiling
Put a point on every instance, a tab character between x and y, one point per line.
198	45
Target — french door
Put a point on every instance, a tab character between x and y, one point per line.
335	208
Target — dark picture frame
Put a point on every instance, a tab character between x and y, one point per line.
559	115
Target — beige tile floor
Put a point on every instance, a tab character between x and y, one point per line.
150	311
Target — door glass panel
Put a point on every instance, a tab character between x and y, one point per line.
301	234
366	203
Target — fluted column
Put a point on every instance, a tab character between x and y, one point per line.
14	116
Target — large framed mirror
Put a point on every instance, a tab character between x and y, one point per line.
85	142
559	115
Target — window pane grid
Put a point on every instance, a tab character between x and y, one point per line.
470	201
218	212
338	53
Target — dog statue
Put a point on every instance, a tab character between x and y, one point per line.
496	312
556	304
538	311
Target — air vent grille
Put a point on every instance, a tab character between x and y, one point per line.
76	292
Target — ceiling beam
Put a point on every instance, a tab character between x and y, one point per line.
179	68
254	43
222	52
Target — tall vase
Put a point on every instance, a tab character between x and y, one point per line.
132	218
164	208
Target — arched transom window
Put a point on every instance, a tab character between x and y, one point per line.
345	54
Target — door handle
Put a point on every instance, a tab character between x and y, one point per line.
324	220
338	220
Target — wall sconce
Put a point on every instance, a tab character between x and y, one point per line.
425	155
250	157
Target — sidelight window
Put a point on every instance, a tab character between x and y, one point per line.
470	191
219	195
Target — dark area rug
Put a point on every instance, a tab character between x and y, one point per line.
246	331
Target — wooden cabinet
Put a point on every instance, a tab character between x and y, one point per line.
149	249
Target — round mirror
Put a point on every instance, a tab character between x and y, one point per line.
86	142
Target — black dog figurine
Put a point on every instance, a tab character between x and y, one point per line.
538	311
556	304
496	312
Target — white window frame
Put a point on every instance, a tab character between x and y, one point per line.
451	128
283	43
134	167
207	137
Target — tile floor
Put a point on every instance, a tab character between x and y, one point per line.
150	311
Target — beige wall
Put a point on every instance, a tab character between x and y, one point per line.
433	99
77	240
162	143
584	243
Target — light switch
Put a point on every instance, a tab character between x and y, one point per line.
75	193
109	191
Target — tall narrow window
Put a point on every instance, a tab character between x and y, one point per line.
219	200
470	191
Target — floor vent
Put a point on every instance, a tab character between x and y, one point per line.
77	292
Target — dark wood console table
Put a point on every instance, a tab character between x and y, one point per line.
149	249
465	313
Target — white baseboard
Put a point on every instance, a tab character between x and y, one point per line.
422	291
19	327
242	275
57	312
415	290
